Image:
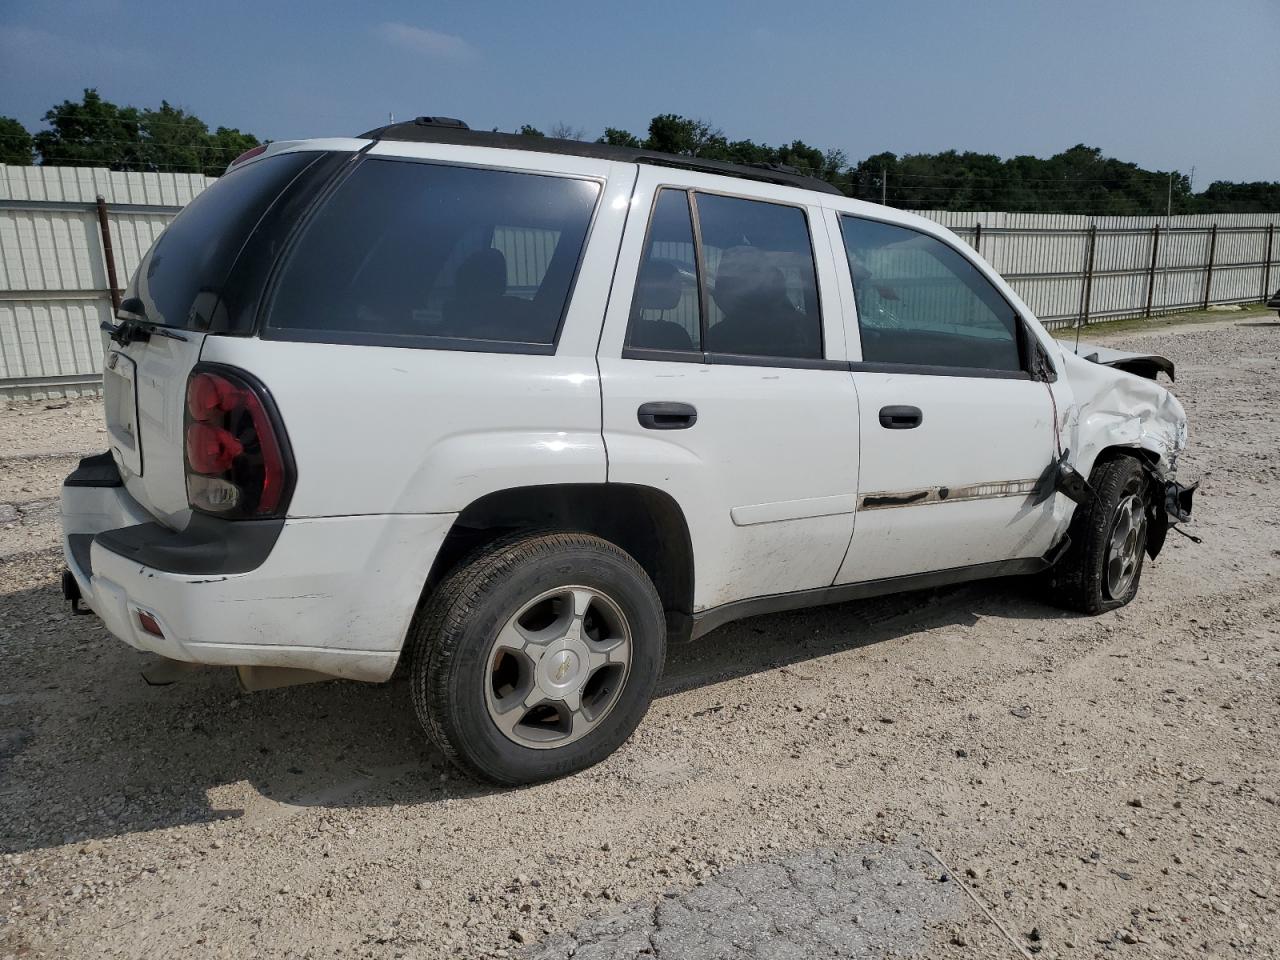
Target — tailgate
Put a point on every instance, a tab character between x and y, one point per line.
144	392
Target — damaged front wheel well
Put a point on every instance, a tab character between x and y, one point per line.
1157	517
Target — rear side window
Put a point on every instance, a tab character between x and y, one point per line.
430	255
921	302
179	278
727	276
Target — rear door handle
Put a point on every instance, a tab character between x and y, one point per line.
667	416
900	418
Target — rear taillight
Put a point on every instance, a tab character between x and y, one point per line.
237	456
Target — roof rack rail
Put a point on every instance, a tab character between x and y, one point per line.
449	130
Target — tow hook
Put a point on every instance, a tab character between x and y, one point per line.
71	590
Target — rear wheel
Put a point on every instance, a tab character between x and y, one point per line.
1103	565
537	657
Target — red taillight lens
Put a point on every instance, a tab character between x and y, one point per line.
237	461
211	450
247	155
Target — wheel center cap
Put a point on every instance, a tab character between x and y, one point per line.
562	668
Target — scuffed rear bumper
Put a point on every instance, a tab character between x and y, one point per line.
333	594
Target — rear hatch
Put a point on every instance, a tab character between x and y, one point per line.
191	284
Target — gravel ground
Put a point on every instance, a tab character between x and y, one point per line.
1104	786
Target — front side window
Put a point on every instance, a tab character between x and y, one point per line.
921	302
741	283
761	279
422	254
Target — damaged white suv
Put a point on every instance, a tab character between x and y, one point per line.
522	412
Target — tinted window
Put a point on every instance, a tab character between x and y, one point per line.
760	276
197	250
922	302
431	255
665	313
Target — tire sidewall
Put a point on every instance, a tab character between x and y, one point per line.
1124	477
463	712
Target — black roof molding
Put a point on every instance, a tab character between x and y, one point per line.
447	130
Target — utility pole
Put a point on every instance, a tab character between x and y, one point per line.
884	187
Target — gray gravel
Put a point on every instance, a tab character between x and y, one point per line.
1129	807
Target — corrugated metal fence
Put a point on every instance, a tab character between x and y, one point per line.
53	277
1070	268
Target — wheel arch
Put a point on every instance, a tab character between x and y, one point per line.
644	521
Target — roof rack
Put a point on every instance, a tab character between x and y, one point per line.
449	130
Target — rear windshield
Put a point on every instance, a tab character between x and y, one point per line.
179	278
429	255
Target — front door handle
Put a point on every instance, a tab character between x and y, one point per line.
900	418
667	416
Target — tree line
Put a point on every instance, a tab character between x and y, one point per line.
96	132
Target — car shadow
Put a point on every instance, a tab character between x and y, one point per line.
89	751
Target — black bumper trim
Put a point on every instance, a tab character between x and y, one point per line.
207	547
80	545
99	470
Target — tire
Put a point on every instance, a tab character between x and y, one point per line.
1085	578
467	676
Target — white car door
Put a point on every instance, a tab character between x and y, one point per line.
955	430
725	382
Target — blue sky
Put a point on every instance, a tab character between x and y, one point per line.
1169	84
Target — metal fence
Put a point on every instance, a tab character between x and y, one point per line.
53	271
54	276
1072	268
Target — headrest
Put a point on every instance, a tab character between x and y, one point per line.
659	286
484	273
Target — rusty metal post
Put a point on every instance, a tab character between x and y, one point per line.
1088	272
108	254
1266	267
977	238
1151	273
1208	270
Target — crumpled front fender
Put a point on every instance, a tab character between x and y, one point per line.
1112	408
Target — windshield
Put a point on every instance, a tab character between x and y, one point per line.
178	281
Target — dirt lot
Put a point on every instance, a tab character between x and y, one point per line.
1104	786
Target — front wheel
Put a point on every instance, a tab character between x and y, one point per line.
1103	565
538	657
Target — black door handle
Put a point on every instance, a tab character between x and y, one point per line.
900	418
667	416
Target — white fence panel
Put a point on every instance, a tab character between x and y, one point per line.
53	279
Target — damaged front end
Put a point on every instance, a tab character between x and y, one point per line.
1117	404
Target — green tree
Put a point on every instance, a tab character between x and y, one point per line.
619	138
529	131
15	143
93	132
97	132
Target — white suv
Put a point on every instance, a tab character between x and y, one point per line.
523	411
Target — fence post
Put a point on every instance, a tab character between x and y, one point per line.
1208	275
977	238
108	254
1088	272
1266	268
1151	273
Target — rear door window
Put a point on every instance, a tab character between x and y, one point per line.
665	310
423	254
921	302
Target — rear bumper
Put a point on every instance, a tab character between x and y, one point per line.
332	594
